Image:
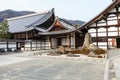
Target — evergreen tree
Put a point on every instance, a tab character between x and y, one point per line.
4	30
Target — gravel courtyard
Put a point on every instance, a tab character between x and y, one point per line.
53	69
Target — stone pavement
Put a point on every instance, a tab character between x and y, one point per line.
51	68
6	60
114	64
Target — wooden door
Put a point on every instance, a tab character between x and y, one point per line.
118	42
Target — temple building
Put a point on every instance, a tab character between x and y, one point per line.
43	30
105	27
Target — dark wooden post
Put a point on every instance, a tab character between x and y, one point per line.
31	45
118	21
96	34
74	40
69	40
7	45
36	44
107	33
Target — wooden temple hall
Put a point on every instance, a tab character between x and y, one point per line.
105	27
42	30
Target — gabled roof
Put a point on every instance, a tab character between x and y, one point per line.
36	21
68	28
21	24
101	15
64	24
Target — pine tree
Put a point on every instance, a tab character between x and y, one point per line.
4	30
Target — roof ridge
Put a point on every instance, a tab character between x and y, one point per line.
36	21
29	15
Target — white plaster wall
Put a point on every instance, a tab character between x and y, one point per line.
27	45
91	30
102	34
3	45
64	41
112	29
38	45
103	47
112	22
101	24
112	33
102	30
72	42
54	42
47	45
102	43
12	45
33	45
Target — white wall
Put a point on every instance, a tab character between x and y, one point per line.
54	42
64	41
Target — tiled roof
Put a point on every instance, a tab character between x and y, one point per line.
20	24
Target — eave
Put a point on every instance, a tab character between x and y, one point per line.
100	16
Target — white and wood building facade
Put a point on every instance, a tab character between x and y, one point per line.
105	27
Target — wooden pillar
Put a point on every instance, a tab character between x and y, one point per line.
31	45
49	43
26	35
118	21
118	31
74	40
44	44
36	44
7	45
24	46
41	44
96	35
107	33
107	37
68	41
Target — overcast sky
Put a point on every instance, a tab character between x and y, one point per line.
69	9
